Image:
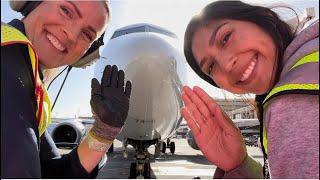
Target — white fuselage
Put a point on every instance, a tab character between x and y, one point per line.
151	63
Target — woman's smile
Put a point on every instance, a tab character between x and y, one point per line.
249	72
55	42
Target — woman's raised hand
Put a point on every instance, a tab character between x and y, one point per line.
216	135
110	103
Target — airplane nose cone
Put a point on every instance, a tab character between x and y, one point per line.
149	62
137	46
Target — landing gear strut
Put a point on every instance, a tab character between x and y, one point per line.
157	150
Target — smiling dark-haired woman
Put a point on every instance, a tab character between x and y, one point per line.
54	34
247	49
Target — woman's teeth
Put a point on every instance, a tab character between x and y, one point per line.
55	42
249	70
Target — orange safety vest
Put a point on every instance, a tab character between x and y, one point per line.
10	35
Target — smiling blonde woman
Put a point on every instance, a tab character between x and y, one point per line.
54	34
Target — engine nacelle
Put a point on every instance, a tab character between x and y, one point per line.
191	141
68	134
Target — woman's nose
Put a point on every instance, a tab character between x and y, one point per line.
228	62
71	34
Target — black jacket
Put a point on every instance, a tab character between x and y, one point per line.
23	153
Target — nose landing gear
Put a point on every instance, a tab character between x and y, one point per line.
141	169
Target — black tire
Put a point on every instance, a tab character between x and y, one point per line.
133	171
164	147
172	147
110	150
147	171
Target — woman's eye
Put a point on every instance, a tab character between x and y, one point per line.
87	35
65	11
210	68
226	38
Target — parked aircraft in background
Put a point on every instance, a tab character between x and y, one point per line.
250	130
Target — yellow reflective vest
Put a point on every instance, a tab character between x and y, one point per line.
10	35
290	88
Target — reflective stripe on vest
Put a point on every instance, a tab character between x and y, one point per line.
10	35
313	57
286	88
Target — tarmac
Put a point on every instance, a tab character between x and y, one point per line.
185	163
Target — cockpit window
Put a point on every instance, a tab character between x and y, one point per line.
161	31
142	29
128	31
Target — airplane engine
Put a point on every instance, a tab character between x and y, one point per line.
191	141
68	134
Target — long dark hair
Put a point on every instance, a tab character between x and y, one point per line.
266	19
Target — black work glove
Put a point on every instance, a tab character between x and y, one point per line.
109	102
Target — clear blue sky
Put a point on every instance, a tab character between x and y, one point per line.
171	14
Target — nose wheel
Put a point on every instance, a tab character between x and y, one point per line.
133	171
164	147
172	147
140	171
